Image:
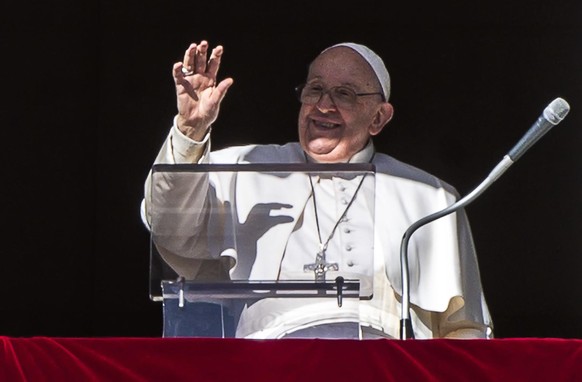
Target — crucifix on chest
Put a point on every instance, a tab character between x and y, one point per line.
320	267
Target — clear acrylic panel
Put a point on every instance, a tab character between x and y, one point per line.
236	249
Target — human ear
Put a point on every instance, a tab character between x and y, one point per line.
382	117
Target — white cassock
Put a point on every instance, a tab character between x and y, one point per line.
445	287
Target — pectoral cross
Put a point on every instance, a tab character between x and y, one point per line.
320	267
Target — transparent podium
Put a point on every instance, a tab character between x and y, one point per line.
262	250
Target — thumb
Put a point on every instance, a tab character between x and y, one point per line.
221	89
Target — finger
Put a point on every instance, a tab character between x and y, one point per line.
221	89
178	73
182	82
189	58
200	57
214	61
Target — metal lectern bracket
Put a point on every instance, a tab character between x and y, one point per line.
339	282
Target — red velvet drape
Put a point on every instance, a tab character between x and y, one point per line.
204	359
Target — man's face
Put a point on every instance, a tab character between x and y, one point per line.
328	133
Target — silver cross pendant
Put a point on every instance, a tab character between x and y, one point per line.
320	267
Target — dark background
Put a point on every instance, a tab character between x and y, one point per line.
88	99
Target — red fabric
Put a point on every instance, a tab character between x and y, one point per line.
202	359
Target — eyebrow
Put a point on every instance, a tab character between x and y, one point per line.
347	84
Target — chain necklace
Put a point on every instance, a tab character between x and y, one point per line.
320	267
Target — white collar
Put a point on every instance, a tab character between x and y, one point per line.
363	156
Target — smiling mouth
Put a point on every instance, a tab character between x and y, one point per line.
325	125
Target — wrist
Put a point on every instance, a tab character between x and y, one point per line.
194	131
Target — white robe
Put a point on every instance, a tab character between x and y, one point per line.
444	275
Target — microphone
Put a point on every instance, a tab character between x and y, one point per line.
553	114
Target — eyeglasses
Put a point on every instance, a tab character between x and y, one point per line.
342	96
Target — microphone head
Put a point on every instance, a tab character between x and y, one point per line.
556	111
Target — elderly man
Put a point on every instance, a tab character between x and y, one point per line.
344	103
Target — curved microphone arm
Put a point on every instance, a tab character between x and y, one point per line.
553	114
406	331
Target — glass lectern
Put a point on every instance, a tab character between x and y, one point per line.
262	250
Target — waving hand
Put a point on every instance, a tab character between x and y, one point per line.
198	93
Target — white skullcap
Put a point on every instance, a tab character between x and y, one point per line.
375	62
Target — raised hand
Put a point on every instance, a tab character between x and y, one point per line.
197	91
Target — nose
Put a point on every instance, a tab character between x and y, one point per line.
325	103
